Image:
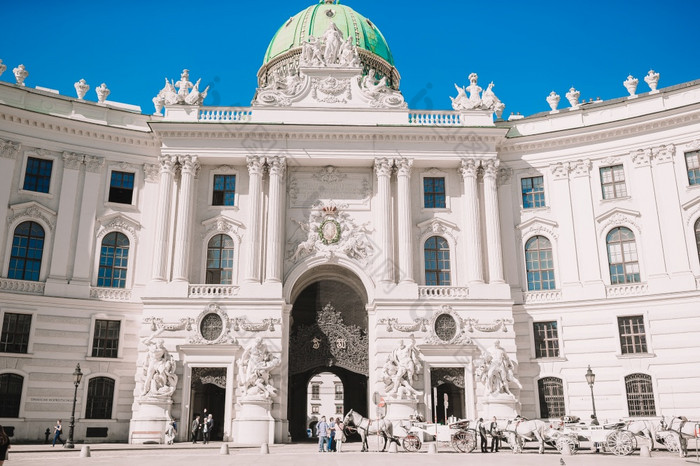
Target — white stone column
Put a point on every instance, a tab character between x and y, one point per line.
382	168
160	243
584	224
66	212
8	154
472	222
275	225
189	166
493	222
405	222
255	170
83	261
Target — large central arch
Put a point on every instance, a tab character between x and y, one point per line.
328	333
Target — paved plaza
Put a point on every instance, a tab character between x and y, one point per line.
307	454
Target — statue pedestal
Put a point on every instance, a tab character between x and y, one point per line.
149	421
502	406
254	424
400	409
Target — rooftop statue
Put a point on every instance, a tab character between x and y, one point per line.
329	50
186	94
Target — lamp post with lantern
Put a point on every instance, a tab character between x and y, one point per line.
590	378
77	376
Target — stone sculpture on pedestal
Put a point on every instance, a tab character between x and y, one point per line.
254	371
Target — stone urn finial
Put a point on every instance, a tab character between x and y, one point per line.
500	106
159	103
631	85
81	88
2	68
21	74
572	96
553	100
652	80
102	93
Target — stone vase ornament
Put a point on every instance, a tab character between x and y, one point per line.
652	80
572	96
81	88
553	100
102	93
159	103
3	67
21	74
631	85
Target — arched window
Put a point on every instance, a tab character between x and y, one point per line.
220	260
697	236
437	262
27	249
100	397
10	394
114	257
640	395
622	256
551	390
539	264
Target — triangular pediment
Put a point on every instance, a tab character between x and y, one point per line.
223	224
33	209
537	225
619	212
117	222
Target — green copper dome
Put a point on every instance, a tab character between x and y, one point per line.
314	21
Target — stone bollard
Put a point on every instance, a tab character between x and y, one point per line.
264	449
432	448
224	449
644	451
85	452
393	448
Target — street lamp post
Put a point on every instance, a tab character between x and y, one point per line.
590	378
77	376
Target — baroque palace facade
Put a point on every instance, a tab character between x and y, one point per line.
220	258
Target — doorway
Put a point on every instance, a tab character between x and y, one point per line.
209	393
449	382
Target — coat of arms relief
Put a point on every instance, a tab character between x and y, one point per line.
331	231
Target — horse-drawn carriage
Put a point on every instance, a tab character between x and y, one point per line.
610	437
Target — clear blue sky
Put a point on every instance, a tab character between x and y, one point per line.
527	48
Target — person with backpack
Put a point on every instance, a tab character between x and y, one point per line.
57	431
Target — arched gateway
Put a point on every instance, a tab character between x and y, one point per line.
328	333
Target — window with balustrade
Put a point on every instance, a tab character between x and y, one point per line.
539	264
220	260
551	393
612	182
437	262
105	340
622	256
533	192
114	259
546	339
640	395
100	398
10	394
633	337
692	163
27	251
434	193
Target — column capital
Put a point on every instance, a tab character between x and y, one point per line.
403	166
277	165
167	163
490	168
72	161
468	167
504	175
189	164
382	166
581	168
151	171
255	164
93	163
9	149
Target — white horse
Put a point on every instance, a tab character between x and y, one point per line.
519	429
367	427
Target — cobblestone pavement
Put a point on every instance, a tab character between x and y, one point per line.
307	454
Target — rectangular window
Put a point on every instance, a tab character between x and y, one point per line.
633	339
338	409
434	193
315	392
224	190
612	181
546	340
338	392
121	187
38	175
692	161
105	343
315	409
533	192
15	333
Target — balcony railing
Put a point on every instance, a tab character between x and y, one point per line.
627	289
434	118
443	292
545	296
21	286
225	114
212	291
110	294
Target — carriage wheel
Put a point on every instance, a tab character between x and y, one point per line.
515	442
411	443
464	441
569	440
671	442
621	442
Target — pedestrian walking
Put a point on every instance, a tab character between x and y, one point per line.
196	425
57	431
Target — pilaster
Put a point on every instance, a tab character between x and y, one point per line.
382	169
160	243
493	222
275	225
189	167
405	222
86	230
9	150
255	171
472	225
